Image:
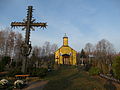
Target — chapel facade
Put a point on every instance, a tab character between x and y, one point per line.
65	54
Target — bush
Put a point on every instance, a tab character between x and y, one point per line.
14	72
39	72
1	67
116	67
105	69
87	67
42	72
94	71
5	60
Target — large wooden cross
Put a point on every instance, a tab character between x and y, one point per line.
27	25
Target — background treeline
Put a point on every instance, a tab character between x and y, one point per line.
11	58
100	58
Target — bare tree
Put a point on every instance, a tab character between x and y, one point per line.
17	57
47	47
103	52
2	43
11	43
89	48
44	55
54	47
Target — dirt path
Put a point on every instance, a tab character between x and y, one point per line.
38	85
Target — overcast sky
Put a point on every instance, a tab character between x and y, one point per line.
83	20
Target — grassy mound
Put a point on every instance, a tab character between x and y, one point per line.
69	78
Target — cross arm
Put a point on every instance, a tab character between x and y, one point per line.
18	24
42	25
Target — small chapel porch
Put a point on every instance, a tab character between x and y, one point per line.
66	59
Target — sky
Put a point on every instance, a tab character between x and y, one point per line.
83	21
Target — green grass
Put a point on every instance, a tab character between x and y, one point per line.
69	78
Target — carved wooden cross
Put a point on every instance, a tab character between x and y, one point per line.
28	24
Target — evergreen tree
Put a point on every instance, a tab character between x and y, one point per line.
82	54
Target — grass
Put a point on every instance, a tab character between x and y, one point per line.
69	78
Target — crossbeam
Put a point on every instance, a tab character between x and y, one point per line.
22	24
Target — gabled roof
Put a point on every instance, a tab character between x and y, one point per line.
65	46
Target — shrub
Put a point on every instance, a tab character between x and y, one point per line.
4	61
87	67
94	71
116	67
42	72
39	72
14	72
105	69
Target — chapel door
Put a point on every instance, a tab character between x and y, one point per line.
66	59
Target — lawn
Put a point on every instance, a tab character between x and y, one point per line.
69	78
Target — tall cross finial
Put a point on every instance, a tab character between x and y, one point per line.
65	35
